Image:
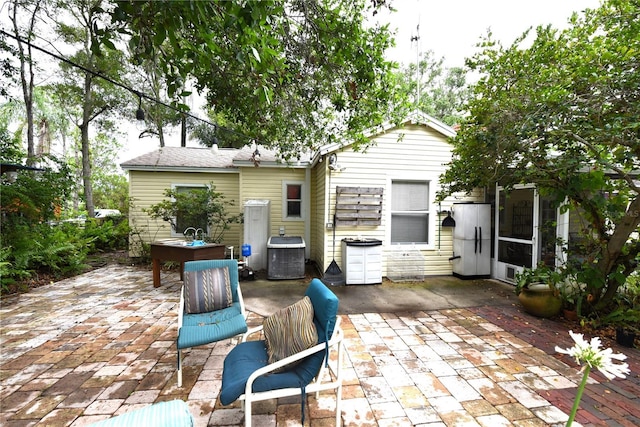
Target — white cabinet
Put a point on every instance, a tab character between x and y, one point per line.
257	231
362	261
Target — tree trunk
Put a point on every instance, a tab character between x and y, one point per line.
86	154
26	75
613	251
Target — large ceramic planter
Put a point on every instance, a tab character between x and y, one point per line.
540	300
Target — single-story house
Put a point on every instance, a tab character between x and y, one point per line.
385	196
370	211
336	198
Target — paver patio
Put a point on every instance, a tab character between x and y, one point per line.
103	343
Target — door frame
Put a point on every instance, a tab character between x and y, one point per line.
505	271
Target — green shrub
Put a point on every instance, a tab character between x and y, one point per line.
107	235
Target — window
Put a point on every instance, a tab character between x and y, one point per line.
409	212
292	208
189	219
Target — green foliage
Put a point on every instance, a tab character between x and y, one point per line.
289	73
542	274
106	235
59	250
623	317
111	192
10	150
562	113
38	248
34	240
35	195
92	101
8	70
443	91
199	208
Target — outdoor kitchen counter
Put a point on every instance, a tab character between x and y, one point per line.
177	250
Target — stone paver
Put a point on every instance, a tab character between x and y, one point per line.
103	343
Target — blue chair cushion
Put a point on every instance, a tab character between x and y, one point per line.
249	356
174	413
204	328
325	308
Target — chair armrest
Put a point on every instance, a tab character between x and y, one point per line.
336	338
241	301
181	308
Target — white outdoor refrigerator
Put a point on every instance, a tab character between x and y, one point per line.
472	240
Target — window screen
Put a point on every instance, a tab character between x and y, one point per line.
410	212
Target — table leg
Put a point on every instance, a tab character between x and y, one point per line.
156	273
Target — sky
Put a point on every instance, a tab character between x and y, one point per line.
452	28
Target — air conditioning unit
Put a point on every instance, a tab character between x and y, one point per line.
285	257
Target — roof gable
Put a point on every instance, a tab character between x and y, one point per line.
415	117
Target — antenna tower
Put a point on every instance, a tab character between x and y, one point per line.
416	39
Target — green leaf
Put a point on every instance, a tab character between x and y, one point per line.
255	53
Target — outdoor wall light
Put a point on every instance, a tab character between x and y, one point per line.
140	111
255	157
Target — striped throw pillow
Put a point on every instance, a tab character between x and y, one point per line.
207	290
290	330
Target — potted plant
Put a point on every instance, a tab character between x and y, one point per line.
570	294
626	320
202	211
537	290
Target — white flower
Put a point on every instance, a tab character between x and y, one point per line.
592	355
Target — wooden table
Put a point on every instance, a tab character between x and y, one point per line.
178	251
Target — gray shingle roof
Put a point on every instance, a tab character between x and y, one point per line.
184	157
197	158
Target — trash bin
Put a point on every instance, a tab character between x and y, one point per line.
362	261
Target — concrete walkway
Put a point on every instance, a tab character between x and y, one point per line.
440	353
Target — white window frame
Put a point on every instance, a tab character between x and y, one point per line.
285	200
181	185
431	212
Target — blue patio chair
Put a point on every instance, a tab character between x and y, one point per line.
248	376
211	305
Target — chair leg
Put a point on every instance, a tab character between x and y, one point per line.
338	408
247	413
179	369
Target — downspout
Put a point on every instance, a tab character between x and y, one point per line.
439	226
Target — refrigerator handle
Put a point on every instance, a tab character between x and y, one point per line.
480	239
475	242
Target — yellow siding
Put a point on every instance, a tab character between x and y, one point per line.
147	188
422	153
265	183
318	216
